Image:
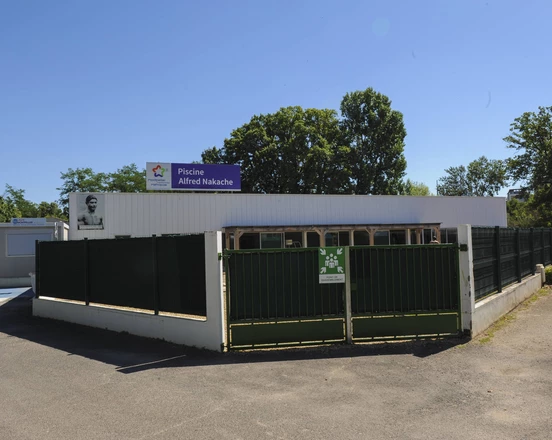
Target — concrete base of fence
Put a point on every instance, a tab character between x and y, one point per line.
493	308
172	329
15	282
203	333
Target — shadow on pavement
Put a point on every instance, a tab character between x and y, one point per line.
131	354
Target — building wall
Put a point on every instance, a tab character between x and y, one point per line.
158	213
13	268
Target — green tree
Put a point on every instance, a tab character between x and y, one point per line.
128	179
482	177
412	188
8	210
80	180
531	137
52	209
25	207
375	134
291	151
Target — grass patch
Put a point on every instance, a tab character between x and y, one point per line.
489	334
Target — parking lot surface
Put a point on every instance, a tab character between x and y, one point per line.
64	381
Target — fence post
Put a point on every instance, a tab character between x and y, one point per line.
37	269
518	259
498	259
532	247
348	315
542	247
214	335
467	284
86	274
155	276
549	246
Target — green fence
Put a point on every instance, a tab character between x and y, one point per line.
274	297
404	279
502	256
162	274
404	291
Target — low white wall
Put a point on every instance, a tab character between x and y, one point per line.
207	333
493	308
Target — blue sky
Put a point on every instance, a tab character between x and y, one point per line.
103	84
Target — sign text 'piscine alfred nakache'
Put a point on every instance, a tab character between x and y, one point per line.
163	176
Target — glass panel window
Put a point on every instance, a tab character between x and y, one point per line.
250	241
313	239
381	238
271	240
398	237
362	238
343	238
427	236
294	239
332	239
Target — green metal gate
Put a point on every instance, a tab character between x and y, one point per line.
404	291
274	296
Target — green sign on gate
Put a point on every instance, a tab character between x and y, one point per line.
331	265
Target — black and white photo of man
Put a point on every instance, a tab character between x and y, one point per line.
91	217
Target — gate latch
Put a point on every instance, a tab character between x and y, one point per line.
463	247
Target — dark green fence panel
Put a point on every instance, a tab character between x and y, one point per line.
538	256
164	274
181	272
484	261
508	255
62	271
547	245
502	256
403	279
525	252
279	284
121	272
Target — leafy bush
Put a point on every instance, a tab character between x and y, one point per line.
548	273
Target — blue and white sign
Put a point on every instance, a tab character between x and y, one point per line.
28	222
162	176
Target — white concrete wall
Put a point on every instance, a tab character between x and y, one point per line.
491	309
207	333
151	213
467	283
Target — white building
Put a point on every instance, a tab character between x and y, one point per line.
17	247
277	220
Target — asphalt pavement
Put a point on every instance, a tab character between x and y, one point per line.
63	381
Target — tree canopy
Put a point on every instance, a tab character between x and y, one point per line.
313	151
531	137
290	151
375	134
126	179
13	204
482	177
412	188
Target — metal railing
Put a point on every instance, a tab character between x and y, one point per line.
502	256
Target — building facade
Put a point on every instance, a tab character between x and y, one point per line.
17	247
282	220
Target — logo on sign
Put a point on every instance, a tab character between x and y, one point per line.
159	171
